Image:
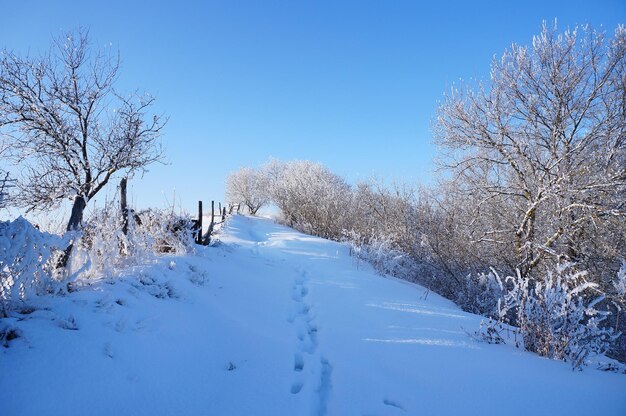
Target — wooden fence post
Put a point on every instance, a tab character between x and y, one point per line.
207	238
223	214
199	224
124	205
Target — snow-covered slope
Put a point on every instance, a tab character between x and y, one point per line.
274	322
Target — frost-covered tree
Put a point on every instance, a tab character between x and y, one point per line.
541	151
69	129
249	187
311	197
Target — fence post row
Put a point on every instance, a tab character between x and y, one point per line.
206	238
197	227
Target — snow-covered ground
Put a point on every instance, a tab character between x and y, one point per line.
274	322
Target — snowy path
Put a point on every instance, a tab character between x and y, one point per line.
274	322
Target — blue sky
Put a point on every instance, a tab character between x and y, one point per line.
351	84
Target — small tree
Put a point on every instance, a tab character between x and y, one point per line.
249	187
69	129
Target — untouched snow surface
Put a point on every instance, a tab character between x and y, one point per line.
274	322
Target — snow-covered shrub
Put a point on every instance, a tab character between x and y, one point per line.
310	197
379	252
162	231
558	316
616	297
28	259
480	293
490	331
104	249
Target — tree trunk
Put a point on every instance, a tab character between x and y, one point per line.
74	224
77	213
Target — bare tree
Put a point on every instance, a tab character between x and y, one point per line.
70	130
543	149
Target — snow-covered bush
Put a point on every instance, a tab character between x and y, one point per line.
28	259
558	316
104	249
618	319
379	252
480	293
311	198
162	231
